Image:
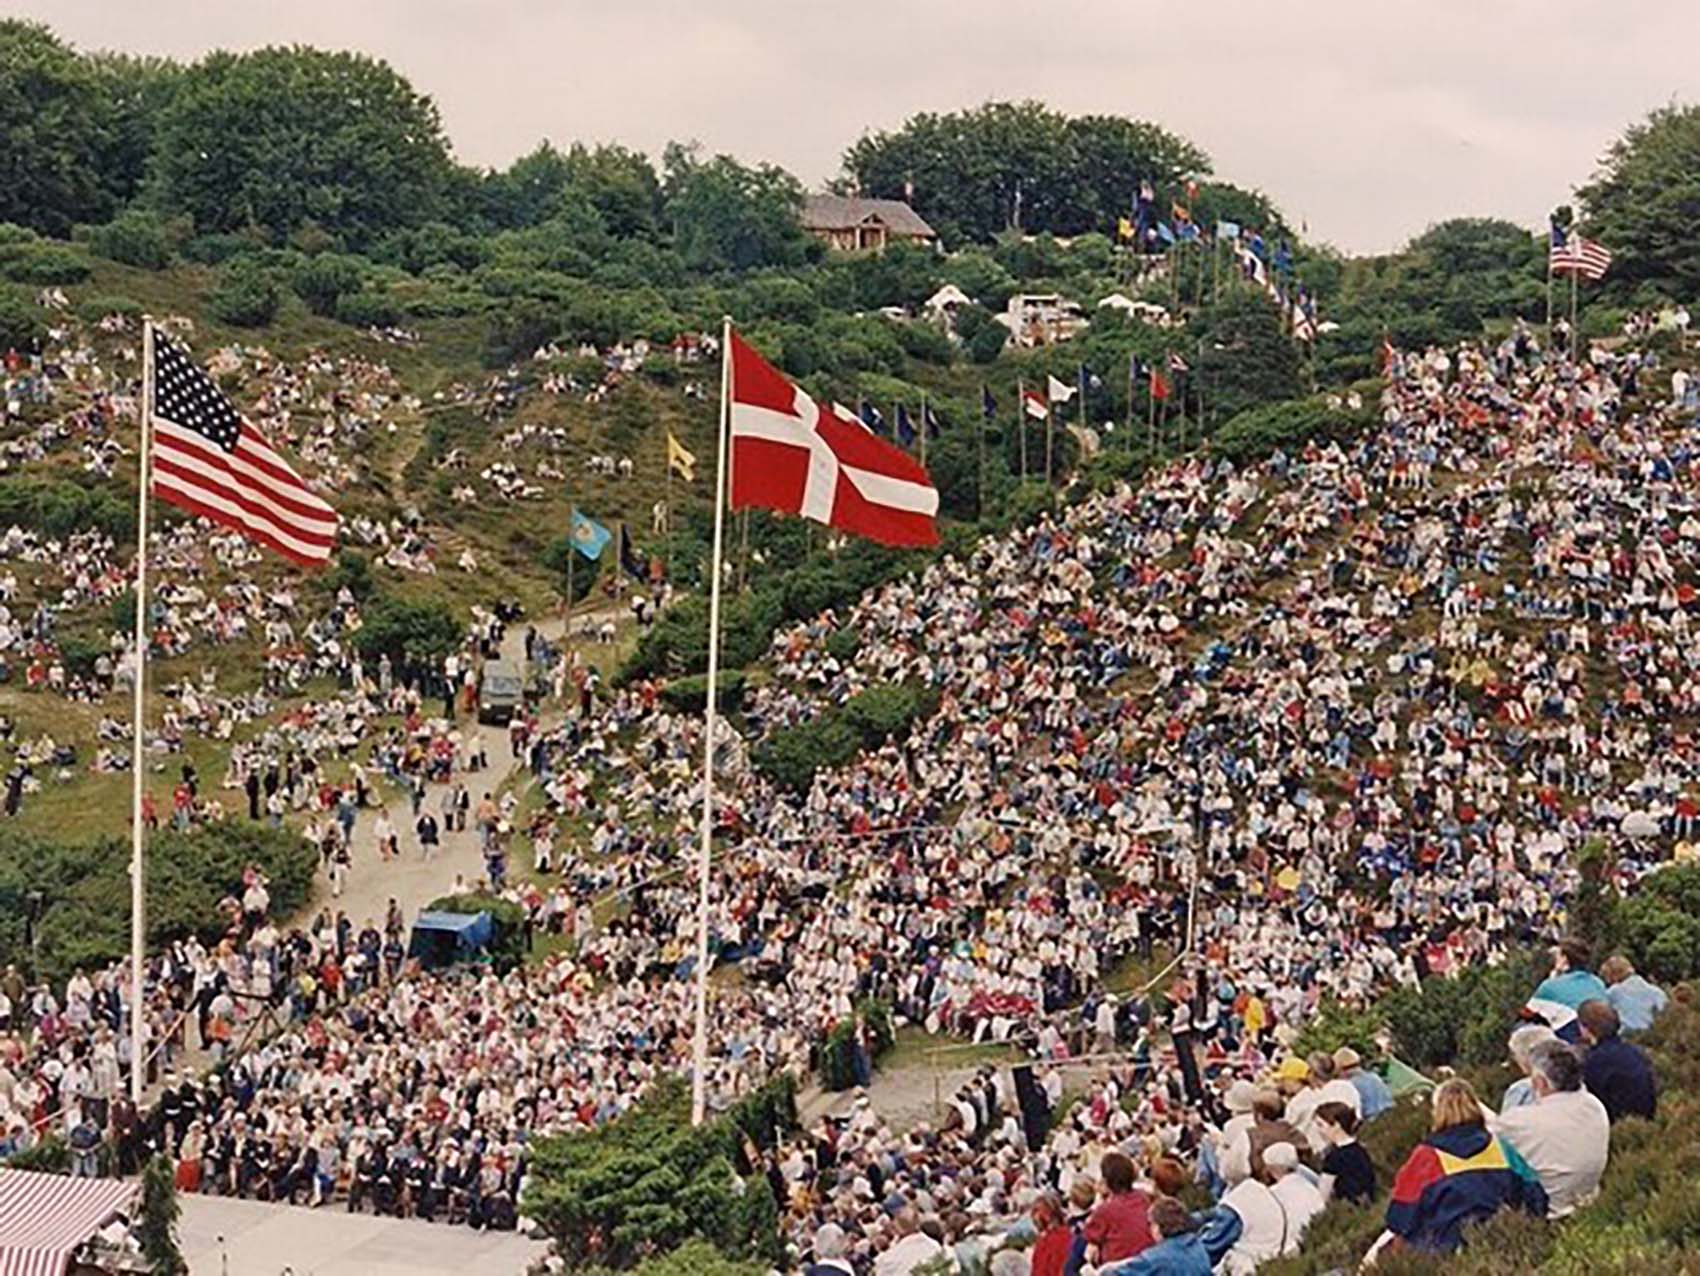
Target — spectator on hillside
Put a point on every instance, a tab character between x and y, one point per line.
1300	1201
1120	1226
1637	1001
1458	1175
1347	1171
830	1249
1524	1039
1564	1134
1570	984
1178	1251
914	1248
1374	1097
1055	1240
1618	1073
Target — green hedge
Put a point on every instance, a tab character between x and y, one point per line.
44	263
1658	927
85	889
690	695
60	507
790	756
1288	425
648	1182
133	238
1464	1019
247	294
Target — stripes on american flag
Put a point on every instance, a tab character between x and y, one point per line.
209	460
1586	257
44	1218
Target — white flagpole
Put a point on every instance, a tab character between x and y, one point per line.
699	1069
138	928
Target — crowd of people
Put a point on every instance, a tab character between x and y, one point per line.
1330	723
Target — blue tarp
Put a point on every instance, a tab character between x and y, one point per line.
439	937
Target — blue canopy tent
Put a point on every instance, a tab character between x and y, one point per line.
441	938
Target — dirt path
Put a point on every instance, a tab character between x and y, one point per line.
414	880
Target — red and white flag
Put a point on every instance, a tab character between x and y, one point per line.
209	460
794	456
1035	404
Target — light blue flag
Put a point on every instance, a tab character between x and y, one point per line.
590	538
1227	230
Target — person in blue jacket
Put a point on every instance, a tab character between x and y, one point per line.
1179	1250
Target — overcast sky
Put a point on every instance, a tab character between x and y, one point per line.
1366	119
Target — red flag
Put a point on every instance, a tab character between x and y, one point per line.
1035	405
794	456
1159	385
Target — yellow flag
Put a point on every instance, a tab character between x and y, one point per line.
679	460
1124	228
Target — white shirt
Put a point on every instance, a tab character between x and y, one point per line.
1564	1138
1264	1229
1302	1202
909	1253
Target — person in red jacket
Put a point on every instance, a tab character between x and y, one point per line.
1056	1237
1121	1225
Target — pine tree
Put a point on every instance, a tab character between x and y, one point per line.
158	1227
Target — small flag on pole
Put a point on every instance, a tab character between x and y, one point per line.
633	565
679	460
988	405
1586	257
208	459
1059	391
905	427
1034	404
590	538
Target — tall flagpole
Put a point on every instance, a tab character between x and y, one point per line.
1021	423
699	1069
138	918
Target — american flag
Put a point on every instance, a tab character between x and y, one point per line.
1586	257
208	460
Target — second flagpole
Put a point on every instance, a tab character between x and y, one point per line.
138	893
705	855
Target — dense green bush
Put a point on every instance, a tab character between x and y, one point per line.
21	323
321	281
246	296
790	756
133	238
85	889
406	626
94	309
886	712
648	1182
44	263
60	507
690	695
1467	1018
368	308
1257	432
1658	927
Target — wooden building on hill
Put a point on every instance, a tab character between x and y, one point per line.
851	224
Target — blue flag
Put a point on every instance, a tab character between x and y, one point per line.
930	420
1164	233
905	427
988	405
1283	259
590	538
1227	230
871	417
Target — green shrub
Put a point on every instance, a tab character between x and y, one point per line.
690	695
94	309
402	626
837	1066
886	712
12	233
85	889
247	295
21	323
212	250
132	238
369	308
321	281
648	1183
1289	425
44	263
791	755
61	507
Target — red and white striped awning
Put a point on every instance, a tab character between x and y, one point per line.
45	1217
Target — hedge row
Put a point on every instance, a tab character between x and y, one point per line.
82	909
648	1182
886	711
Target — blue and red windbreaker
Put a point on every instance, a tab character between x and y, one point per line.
1456	1177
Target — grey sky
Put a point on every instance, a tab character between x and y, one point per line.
1367	119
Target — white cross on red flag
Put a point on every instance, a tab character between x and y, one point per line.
794	456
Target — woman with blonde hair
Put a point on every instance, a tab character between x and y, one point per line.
1460	1174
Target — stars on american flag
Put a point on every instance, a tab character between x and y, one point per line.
186	396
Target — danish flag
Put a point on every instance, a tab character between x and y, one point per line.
794	456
